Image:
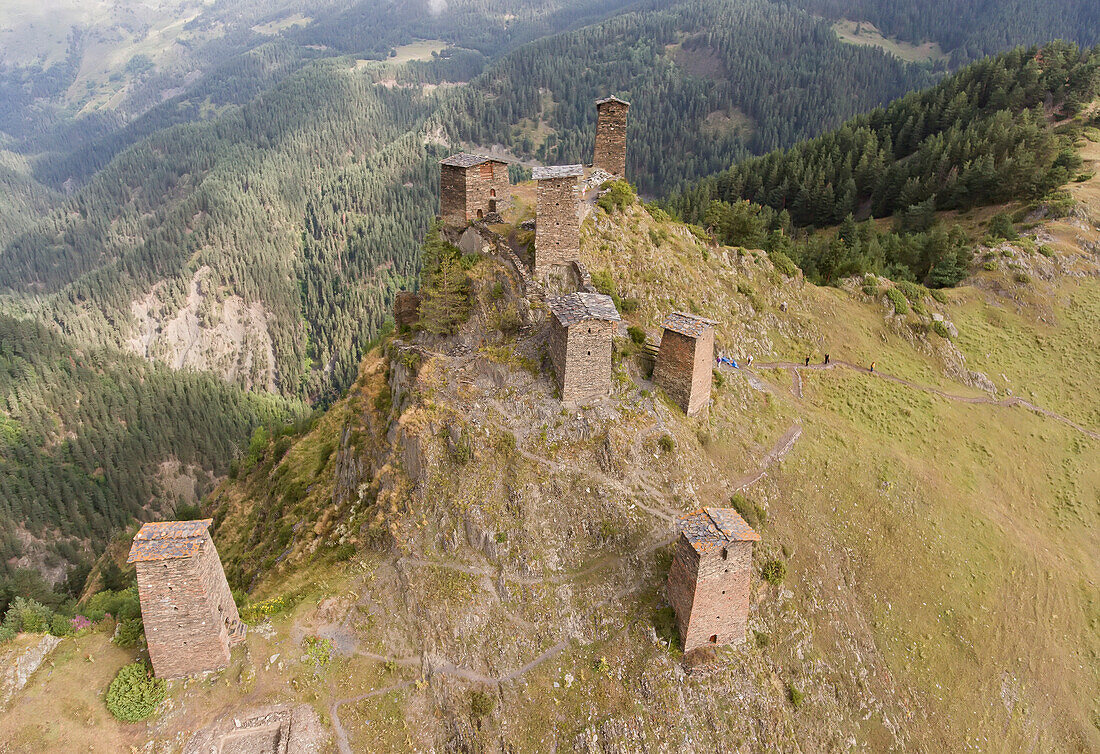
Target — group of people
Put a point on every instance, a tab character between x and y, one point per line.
725	358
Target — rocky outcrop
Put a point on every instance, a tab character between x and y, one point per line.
18	670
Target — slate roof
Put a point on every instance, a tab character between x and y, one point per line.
605	100
164	540
579	307
557	171
687	324
467	160
707	528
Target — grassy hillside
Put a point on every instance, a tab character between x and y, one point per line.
487	568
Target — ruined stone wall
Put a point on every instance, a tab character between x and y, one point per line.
180	626
557	224
452	195
610	153
710	593
581	355
684	369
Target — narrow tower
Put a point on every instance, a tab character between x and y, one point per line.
610	154
708	584
581	329
685	361
557	216
190	617
471	187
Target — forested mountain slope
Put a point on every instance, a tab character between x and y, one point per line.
448	559
971	29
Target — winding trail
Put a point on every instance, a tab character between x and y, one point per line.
782	446
975	400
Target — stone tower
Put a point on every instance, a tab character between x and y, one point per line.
471	187
708	585
557	216
610	153
685	361
190	617
581	328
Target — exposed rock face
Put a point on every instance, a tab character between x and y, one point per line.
406	309
226	336
15	676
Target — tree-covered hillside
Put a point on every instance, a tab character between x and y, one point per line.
970	29
986	135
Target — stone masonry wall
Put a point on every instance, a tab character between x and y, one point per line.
179	601
715	592
223	608
557	225
681	582
487	189
610	153
684	369
581	355
452	195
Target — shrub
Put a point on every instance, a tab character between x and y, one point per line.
666	443
796	696
481	703
897	298
134	693
1000	226
774	571
636	334
939	295
602	665
129	633
79	623
618	195
664	624
29	616
61	625
941	329
783	263
318	651
754	515
761	639
912	291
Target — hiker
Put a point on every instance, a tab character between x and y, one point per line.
826	358
750	359
807	361
872	367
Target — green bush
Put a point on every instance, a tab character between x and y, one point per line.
939	295
481	703
796	696
754	515
61	625
774	571
29	616
1000	227
897	298
129	633
783	263
762	639
912	291
134	693
666	443
941	329
636	334
618	195
318	651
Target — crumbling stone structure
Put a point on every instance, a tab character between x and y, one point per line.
471	187
557	216
610	153
190	617
685	361
708	584
581	329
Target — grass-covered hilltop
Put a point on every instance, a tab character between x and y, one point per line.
448	559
